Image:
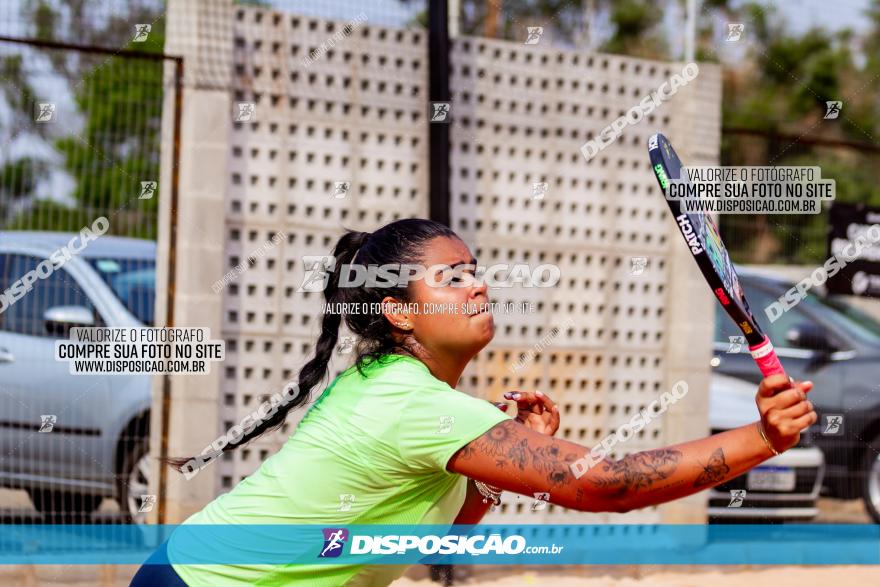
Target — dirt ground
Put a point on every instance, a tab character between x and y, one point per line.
818	576
831	511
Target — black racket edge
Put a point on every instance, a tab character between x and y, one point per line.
737	311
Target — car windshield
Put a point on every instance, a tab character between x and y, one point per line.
133	281
851	317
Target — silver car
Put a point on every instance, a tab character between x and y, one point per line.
72	440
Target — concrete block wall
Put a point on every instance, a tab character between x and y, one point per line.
520	115
357	114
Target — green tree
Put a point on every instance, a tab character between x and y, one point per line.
18	176
123	125
780	94
120	99
569	22
635	29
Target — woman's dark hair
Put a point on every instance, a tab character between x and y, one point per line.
400	242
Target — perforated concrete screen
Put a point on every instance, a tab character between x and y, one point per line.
326	139
597	342
338	139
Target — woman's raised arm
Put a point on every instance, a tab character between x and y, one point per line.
514	458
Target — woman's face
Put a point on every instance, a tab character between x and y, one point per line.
451	320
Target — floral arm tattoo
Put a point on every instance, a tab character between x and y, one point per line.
527	462
637	471
506	444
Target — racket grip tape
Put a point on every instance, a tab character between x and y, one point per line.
766	358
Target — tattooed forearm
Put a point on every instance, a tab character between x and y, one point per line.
497	442
714	470
518	459
637	471
519	454
553	463
507	445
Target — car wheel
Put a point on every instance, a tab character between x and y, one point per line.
134	483
61	507
871	488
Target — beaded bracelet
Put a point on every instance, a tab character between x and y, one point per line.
488	493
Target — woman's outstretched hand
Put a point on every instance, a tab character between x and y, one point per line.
785	410
535	410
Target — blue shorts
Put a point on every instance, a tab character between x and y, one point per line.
157	575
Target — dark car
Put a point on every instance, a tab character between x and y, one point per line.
837	346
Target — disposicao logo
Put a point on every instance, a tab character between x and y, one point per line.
334	541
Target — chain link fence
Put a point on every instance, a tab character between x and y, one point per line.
82	99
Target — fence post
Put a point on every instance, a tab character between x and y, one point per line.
438	91
198	253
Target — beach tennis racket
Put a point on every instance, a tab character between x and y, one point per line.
708	250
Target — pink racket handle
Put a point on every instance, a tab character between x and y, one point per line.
766	358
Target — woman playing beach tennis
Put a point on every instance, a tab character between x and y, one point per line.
393	435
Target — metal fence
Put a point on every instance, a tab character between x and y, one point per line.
80	148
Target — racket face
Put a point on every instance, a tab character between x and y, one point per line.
701	235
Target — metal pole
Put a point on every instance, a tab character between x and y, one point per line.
490	29
690	36
454	18
172	282
86	48
438	91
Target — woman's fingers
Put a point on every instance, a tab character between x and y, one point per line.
770	386
775	384
548	403
796	411
526	401
785	399
554	413
782	399
785	410
806	421
530	404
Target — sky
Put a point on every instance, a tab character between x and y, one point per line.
800	14
380	12
833	14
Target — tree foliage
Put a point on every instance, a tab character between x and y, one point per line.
781	92
119	99
635	29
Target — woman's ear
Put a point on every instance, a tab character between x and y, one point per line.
398	313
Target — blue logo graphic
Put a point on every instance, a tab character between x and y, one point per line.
334	540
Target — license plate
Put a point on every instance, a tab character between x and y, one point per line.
771	479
